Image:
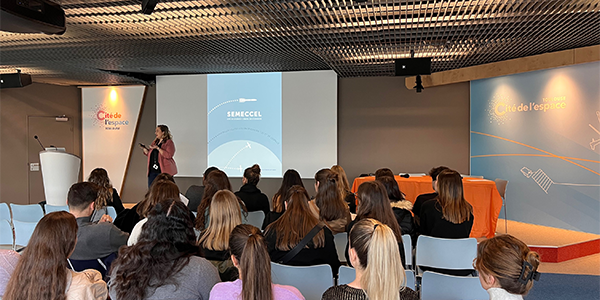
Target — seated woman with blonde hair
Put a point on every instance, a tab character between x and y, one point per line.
42	273
250	256
507	268
214	240
379	273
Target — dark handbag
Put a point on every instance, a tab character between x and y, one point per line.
311	234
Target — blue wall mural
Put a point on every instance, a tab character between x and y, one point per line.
541	131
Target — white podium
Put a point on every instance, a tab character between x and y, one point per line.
60	170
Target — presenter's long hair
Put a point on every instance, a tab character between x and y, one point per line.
166	133
215	181
99	176
379	259
160	189
373	203
252	174
330	202
296	222
41	272
455	208
164	248
290	178
249	248
224	216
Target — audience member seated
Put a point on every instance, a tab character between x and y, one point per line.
107	194
286	233
383	172
164	263
8	262
130	217
507	268
449	215
373	203
159	190
379	272
291	177
215	181
94	240
400	206
344	188
329	204
214	240
249	255
42	273
195	192
253	198
433	173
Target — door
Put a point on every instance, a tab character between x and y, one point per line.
52	132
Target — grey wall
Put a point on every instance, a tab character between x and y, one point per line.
382	124
15	106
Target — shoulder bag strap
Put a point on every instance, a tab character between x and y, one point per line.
302	243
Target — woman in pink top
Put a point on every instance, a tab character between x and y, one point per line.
249	255
160	154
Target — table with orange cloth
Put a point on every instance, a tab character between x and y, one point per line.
480	193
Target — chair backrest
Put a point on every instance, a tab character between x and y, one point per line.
407	243
453	254
23	232
447	287
52	208
111	211
5	212
6	233
100	264
501	186
255	218
346	275
26	213
311	281
341	239
410	279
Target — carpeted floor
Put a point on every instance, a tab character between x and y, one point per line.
565	287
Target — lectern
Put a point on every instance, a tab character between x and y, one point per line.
60	170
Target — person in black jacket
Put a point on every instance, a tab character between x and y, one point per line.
254	199
373	203
425	197
195	192
287	232
400	206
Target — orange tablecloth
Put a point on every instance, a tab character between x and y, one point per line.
481	193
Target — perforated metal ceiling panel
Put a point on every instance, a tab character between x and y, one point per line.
353	38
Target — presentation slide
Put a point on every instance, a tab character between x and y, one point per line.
244	122
278	120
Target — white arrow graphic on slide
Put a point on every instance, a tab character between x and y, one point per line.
247	146
240	100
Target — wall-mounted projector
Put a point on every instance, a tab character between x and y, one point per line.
14	80
32	16
413	66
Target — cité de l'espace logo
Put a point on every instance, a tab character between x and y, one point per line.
109	120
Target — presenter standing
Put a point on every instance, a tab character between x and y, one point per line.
160	154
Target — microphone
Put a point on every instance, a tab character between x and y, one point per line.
36	137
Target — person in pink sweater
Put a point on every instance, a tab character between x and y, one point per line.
249	255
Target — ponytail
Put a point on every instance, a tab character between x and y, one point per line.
379	258
249	249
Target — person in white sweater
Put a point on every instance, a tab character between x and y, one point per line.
507	268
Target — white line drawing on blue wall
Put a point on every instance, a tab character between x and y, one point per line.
545	182
240	167
240	100
595	142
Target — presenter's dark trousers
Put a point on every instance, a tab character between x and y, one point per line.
151	177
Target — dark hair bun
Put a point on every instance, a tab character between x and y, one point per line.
256	169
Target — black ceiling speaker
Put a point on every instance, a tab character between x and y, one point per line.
413	66
14	80
148	6
32	16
